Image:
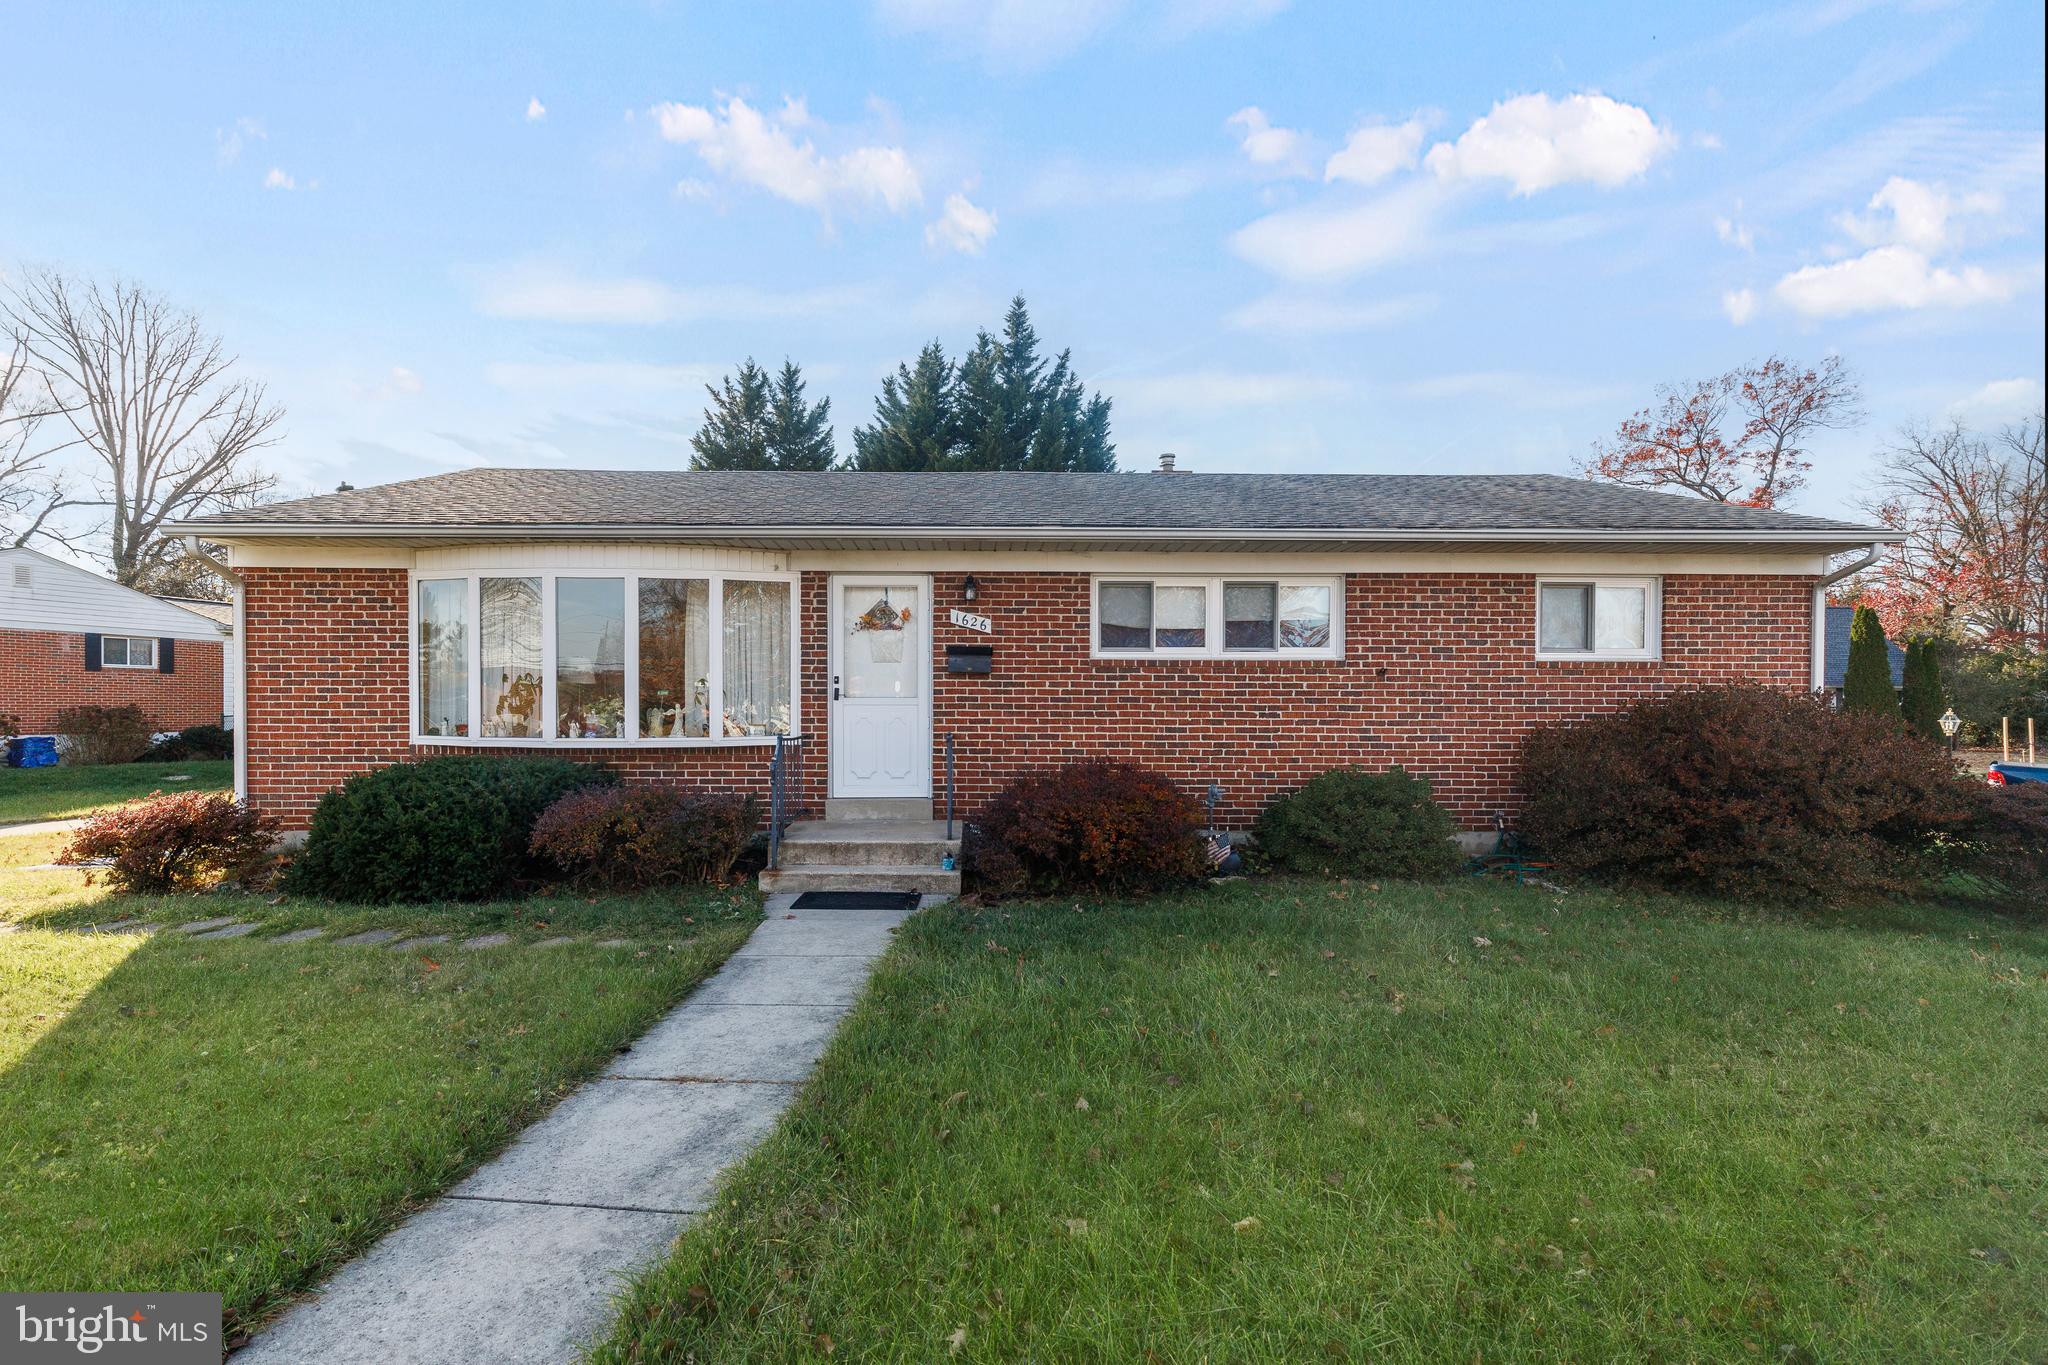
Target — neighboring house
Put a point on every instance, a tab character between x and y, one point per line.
69	637
1837	666
222	614
1248	630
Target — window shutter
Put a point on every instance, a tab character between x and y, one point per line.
92	653
166	655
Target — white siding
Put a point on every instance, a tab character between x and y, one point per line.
41	593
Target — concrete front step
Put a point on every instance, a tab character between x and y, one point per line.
865	877
853	843
878	808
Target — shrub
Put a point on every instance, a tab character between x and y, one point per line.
10	725
194	741
1743	791
1098	826
2009	843
446	829
1356	823
1867	677
630	837
1922	702
104	734
175	843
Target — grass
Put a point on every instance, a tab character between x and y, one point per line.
30	794
242	1117
1292	1120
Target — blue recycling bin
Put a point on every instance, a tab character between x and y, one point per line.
32	751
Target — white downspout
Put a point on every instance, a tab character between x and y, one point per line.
1819	649
239	634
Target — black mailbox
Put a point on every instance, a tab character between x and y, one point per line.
969	658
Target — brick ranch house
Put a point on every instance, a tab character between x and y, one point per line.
1246	630
69	637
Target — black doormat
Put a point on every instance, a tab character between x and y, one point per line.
856	900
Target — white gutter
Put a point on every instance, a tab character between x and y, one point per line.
672	531
196	551
1820	608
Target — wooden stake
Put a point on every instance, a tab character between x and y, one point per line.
2005	737
2030	739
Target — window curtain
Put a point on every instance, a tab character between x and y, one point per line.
756	658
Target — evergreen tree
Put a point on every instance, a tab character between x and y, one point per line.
735	430
799	433
1867	685
1001	407
915	424
1923	702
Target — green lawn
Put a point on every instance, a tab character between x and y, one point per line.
242	1117
1297	1121
28	794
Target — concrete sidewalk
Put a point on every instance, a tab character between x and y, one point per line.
519	1262
42	827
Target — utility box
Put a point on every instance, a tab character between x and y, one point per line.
970	658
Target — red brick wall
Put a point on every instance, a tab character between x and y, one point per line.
1439	675
43	671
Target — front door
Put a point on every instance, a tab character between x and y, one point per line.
881	731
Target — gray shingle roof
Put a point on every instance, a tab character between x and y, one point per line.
849	501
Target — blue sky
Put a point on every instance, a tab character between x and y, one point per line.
1280	236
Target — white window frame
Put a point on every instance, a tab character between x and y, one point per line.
1213	633
714	630
131	640
1653	618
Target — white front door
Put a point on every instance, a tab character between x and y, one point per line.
881	728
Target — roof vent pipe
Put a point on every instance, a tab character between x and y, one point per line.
1166	462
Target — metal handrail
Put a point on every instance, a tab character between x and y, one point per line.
949	784
789	752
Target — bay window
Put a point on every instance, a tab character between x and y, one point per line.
1597	618
568	658
1217	618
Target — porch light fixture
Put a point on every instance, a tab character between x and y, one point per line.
1950	722
970	591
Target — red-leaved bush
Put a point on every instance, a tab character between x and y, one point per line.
1096	826
1747	792
628	837
104	734
175	843
2008	845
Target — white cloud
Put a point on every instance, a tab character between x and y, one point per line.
2002	400
1739	305
1912	214
278	180
228	142
1375	151
1734	232
1025	34
1891	277
535	110
1312	314
542	291
1537	143
1318	243
962	226
397	382
1223	391
737	141
1283	151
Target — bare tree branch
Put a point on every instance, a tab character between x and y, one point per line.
149	401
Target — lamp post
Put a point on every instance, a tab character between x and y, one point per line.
1950	723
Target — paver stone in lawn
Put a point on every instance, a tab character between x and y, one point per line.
299	935
229	931
200	926
368	936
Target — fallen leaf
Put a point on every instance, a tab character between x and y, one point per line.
1245	1224
1643	1173
956	1341
430	964
1077	1226
1081	1102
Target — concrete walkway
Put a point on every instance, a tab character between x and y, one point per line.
519	1262
41	827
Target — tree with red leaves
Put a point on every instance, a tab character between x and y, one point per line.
1684	442
1974	565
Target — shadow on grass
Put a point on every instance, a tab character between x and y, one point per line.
241	1117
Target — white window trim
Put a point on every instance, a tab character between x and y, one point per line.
1653	619
149	640
714	630
1214	632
